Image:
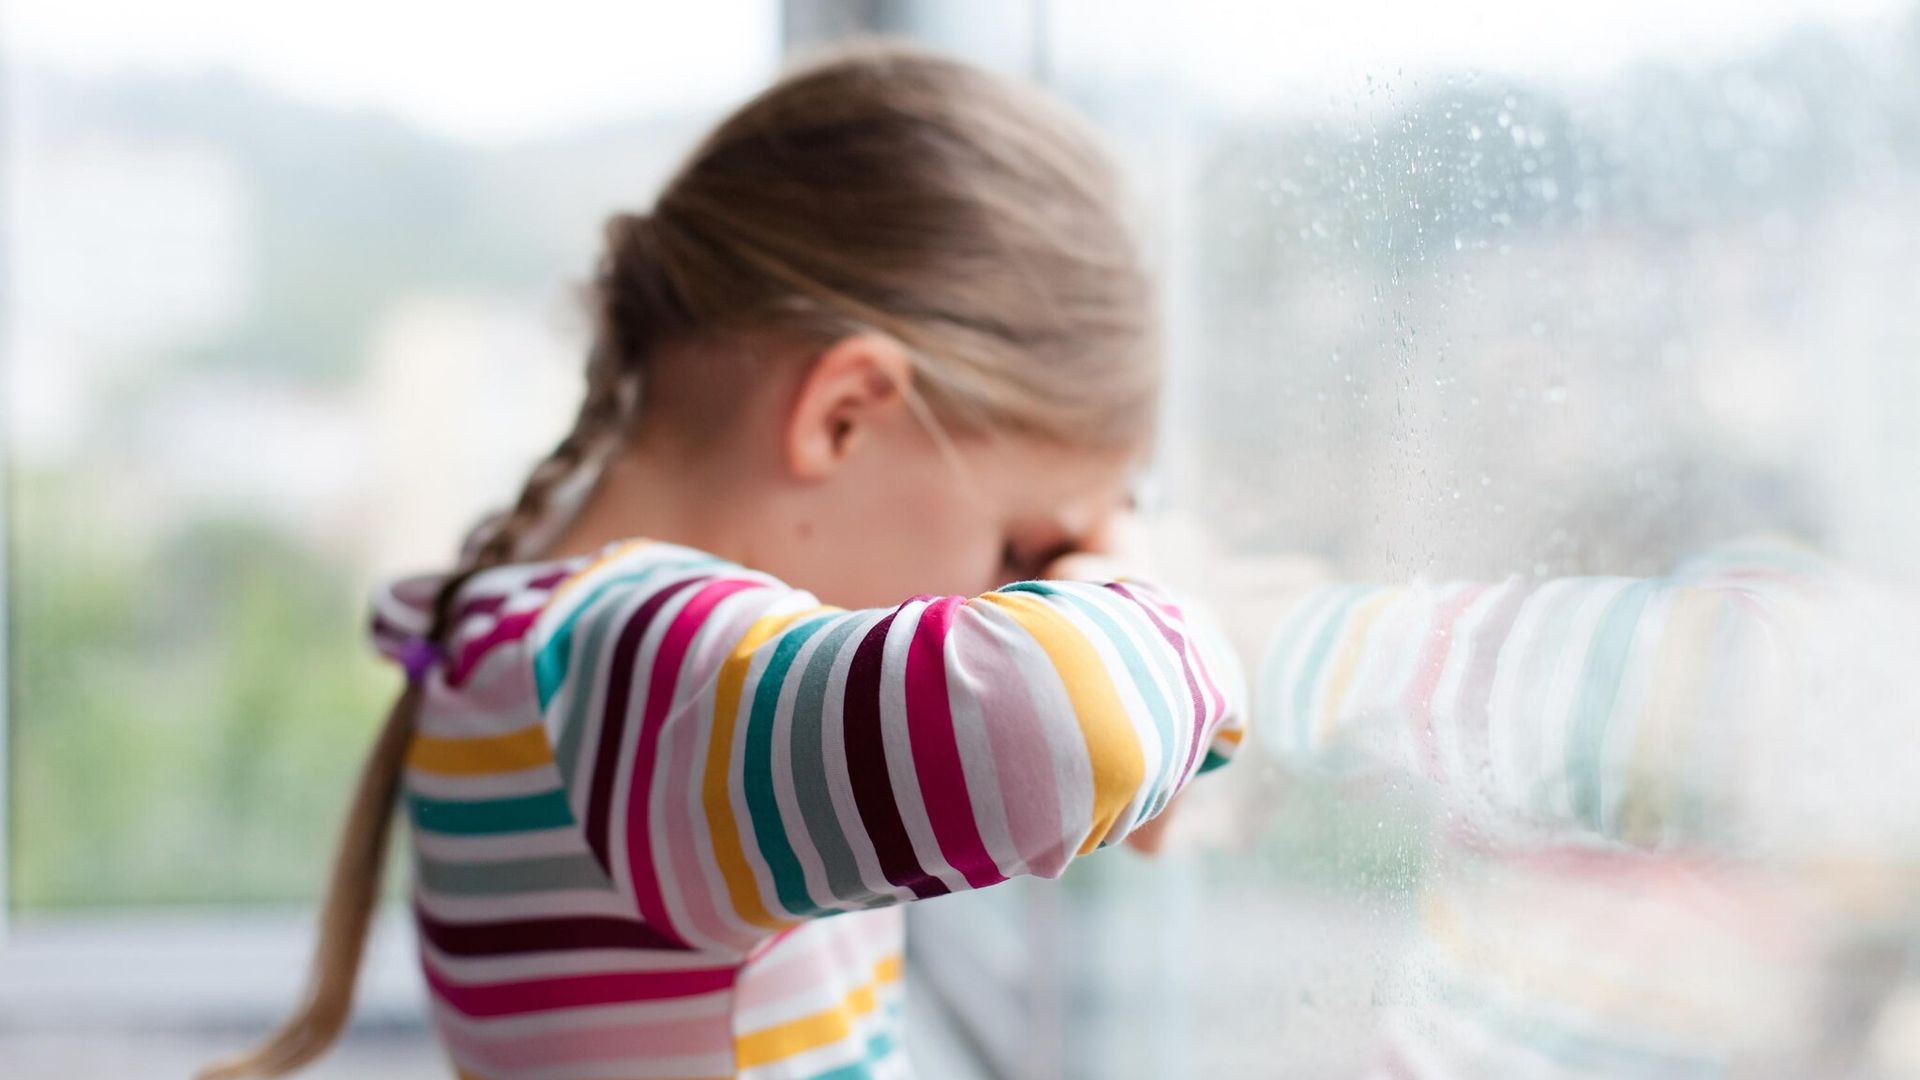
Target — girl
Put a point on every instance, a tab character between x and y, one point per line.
884	335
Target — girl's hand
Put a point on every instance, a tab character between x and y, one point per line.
1116	548
1148	838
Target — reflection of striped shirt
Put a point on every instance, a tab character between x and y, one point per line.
1648	710
640	775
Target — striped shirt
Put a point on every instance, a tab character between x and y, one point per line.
642	778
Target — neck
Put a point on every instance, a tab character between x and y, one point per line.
659	490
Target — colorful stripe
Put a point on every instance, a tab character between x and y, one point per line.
649	771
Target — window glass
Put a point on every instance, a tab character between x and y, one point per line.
1467	291
289	304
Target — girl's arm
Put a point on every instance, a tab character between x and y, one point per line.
827	760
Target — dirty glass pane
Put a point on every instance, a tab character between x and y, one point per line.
1461	292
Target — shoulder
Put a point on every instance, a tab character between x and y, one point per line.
652	595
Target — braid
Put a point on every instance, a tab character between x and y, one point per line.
632	299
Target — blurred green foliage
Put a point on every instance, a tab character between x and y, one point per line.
186	713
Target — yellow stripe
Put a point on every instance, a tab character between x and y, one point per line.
1674	696
1113	749
1349	661
523	749
1561	972
586	571
725	830
828	1026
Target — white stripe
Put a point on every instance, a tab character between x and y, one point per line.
500	847
1066	744
1302	726
496	785
1160	665
1279	655
822	1058
1134	714
972	734
607	616
1563	693
833	751
646	660
459	713
897	740
812	868
1621	735
792	605
1502	716
1464	776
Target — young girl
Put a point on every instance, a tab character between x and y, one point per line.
884	336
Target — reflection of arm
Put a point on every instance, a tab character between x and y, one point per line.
1612	705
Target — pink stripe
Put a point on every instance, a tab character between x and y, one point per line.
835	953
573	991
1472	704
1190	665
663	679
513	1052
1418	700
936	753
1215	695
510	628
705	898
1190	655
1022	759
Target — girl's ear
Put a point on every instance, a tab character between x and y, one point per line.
850	388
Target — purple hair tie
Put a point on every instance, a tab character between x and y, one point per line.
417	655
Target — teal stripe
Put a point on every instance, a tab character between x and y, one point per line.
550	663
547	810
1599	692
1317	652
756	780
511	875
879	1049
810	769
1270	696
1156	700
1559	599
1212	761
555	657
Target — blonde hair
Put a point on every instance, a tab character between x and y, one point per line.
878	189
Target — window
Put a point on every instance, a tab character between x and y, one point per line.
267	272
1457	292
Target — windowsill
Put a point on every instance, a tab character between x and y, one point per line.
159	992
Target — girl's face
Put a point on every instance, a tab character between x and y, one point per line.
873	510
917	522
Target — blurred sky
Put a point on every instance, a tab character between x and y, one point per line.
481	71
493	72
